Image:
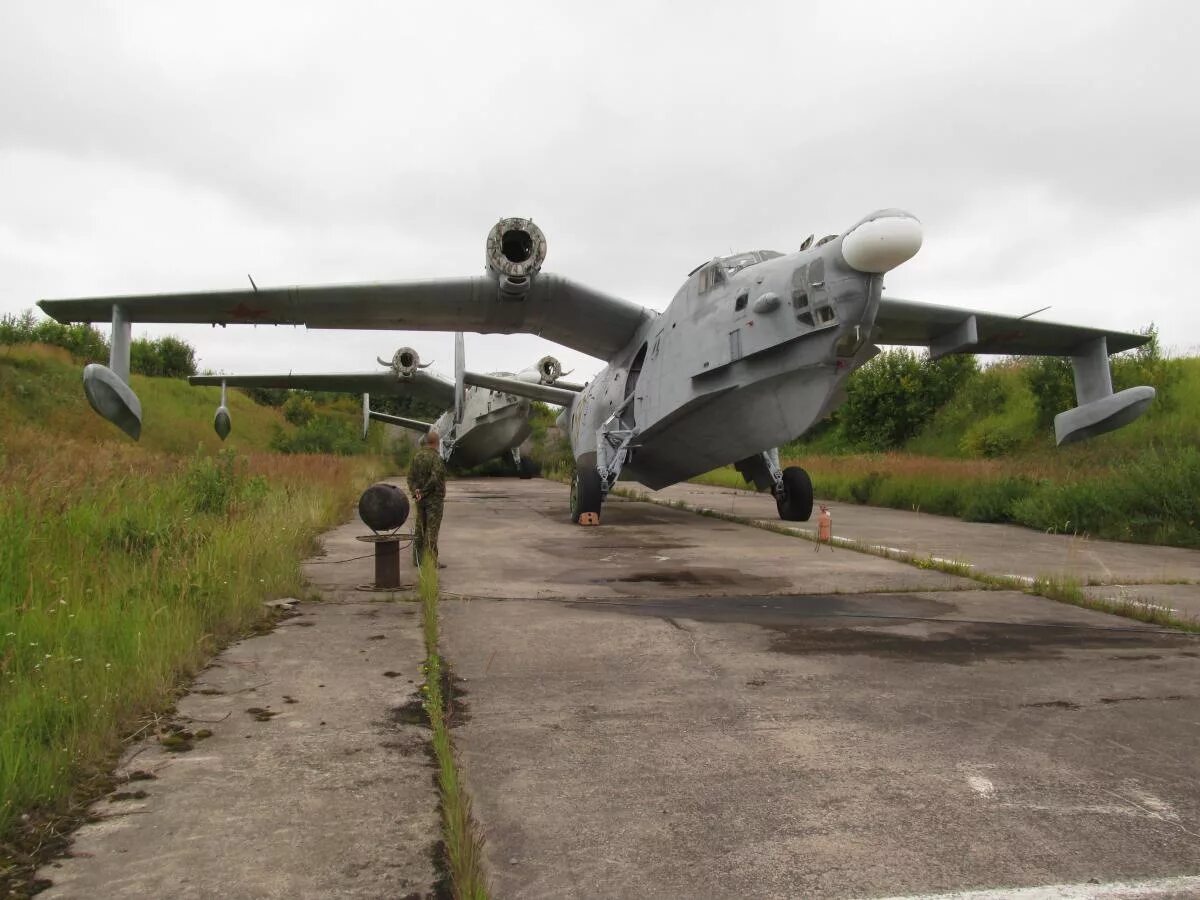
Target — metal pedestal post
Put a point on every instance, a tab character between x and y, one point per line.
387	559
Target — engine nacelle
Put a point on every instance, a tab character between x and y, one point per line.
405	362
516	249
549	369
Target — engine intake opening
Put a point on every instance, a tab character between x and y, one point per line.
516	245
406	360
515	251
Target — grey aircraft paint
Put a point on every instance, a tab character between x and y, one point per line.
753	350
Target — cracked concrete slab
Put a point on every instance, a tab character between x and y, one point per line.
308	786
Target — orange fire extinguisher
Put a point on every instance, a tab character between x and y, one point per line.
825	527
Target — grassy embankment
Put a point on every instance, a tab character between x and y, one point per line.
462	840
124	567
984	457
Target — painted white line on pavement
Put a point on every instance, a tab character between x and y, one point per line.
1180	886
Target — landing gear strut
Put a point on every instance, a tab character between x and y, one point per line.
525	465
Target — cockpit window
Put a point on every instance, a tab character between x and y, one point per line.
711	276
734	264
737	262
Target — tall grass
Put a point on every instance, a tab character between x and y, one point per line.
1153	497
121	572
463	843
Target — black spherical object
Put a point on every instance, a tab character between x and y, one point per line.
383	507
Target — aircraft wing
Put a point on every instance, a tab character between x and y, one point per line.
950	329
421	385
558	309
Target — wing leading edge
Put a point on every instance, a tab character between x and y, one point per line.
950	329
554	307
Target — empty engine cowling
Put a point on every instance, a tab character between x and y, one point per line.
406	361
516	249
550	369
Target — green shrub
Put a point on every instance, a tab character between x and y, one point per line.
320	434
299	409
1155	498
993	501
890	398
165	357
83	342
217	484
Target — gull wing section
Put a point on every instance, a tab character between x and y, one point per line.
560	310
421	385
951	329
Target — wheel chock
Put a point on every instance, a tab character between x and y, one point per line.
589	518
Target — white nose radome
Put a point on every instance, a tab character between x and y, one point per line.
880	244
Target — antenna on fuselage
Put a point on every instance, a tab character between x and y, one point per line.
252	284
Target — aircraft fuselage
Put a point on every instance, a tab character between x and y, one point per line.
742	360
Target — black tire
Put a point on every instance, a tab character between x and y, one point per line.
795	501
527	468
586	495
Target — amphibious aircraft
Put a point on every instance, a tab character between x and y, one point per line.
753	349
479	422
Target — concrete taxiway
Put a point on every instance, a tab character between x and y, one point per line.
673	705
1169	576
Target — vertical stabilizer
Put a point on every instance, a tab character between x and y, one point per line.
460	368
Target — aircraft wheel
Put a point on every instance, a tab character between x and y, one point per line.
795	501
586	495
527	468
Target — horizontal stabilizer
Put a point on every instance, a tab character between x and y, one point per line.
414	424
544	392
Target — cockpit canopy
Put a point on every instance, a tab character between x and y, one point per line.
716	271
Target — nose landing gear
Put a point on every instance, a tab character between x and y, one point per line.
794	495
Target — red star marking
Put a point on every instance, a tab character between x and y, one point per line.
242	311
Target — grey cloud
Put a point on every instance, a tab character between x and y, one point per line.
364	141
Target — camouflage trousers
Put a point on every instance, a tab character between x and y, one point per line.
425	531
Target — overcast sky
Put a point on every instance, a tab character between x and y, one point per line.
1052	151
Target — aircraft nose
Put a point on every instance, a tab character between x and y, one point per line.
882	241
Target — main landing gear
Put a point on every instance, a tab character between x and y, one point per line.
614	448
587	495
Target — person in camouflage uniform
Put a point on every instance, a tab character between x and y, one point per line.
427	485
